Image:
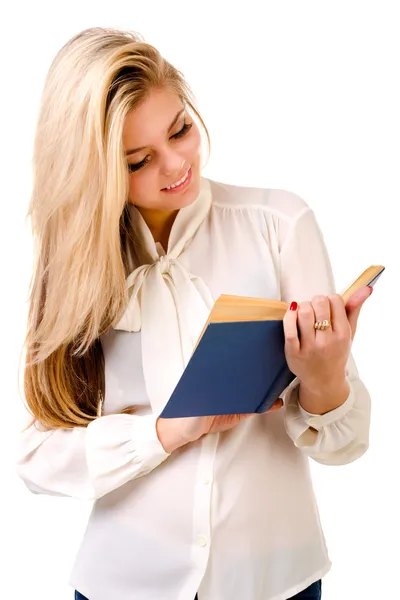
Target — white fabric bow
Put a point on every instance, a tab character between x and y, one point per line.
167	304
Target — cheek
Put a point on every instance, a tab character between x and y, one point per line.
193	145
142	185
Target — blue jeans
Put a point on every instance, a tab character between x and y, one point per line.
311	593
314	592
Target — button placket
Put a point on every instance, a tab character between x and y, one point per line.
202	502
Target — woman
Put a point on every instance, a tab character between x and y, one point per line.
133	247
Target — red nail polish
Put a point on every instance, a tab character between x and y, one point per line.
293	306
371	289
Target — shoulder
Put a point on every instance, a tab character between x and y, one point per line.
282	204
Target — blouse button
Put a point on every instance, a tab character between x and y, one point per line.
202	541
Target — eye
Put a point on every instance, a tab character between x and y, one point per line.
186	127
132	168
136	166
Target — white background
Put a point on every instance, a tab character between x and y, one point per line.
298	95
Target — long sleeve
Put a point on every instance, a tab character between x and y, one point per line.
88	462
342	435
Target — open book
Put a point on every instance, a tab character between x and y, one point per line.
238	365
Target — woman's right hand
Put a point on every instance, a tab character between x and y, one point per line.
174	433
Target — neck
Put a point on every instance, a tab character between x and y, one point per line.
160	223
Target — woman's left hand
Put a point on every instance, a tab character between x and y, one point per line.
319	357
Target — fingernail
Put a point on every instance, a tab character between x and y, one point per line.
293	306
371	289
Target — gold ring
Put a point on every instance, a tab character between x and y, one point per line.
321	325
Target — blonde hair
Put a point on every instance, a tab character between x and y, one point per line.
80	224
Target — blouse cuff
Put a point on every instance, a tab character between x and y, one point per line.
319	421
302	426
148	446
122	447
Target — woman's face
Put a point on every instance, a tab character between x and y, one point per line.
163	147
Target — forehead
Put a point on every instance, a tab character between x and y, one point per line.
150	120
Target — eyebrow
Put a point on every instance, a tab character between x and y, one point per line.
134	150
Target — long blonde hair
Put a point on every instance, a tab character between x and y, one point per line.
80	224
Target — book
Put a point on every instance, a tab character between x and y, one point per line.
238	365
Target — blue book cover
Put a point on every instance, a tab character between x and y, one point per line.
237	368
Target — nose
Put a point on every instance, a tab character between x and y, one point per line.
172	163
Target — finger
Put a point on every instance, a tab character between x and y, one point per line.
278	404
354	305
306	320
339	321
292	343
358	298
322	311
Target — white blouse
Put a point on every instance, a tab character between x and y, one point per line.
233	515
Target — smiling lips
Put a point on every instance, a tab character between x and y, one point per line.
180	184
